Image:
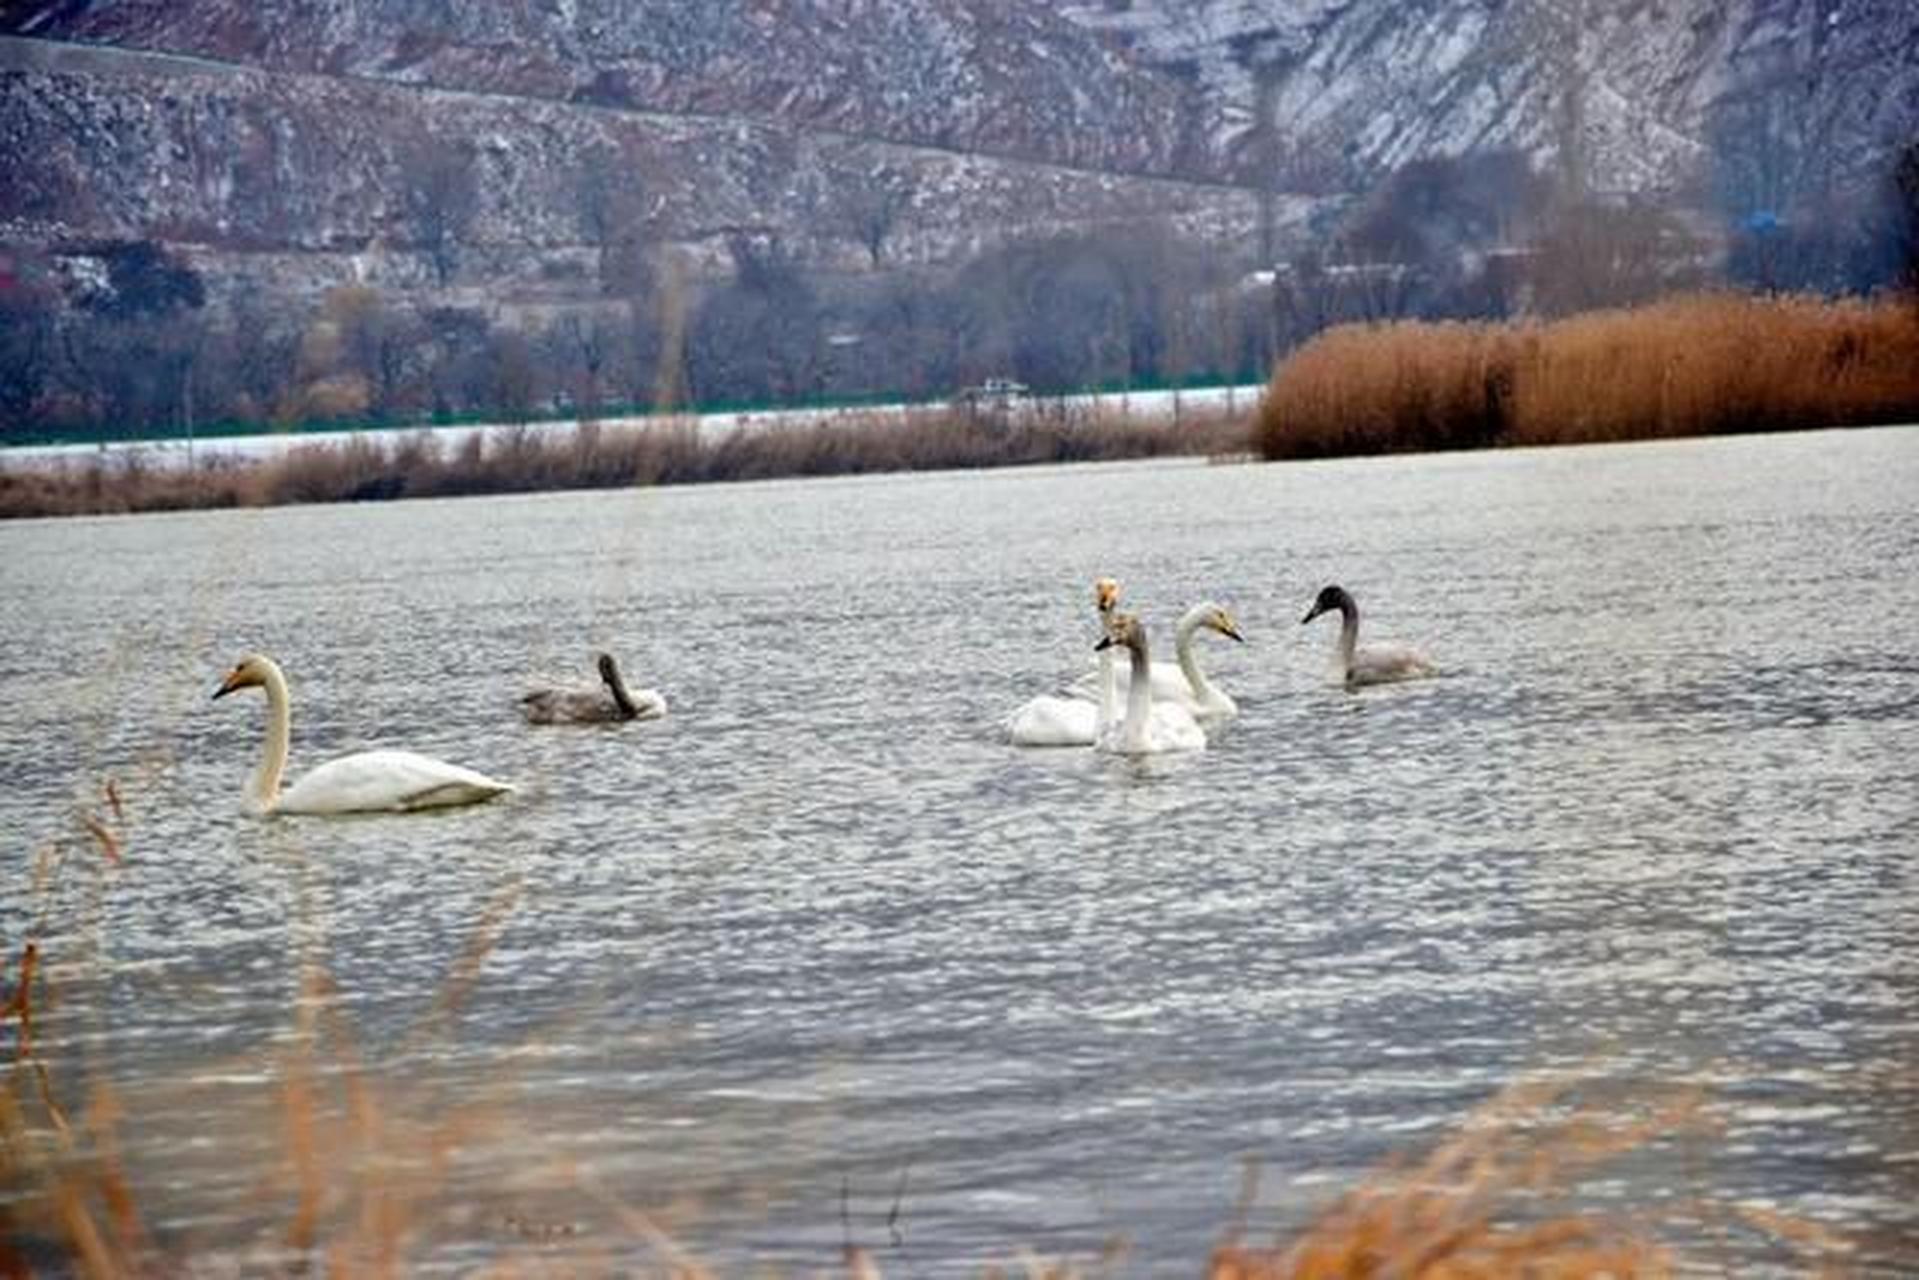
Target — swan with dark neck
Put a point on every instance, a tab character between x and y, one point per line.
1374	664
594	706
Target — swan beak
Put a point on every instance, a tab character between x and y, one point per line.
1105	642
227	685
1314	612
1230	630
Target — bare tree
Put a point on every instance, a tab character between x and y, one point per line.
138	370
1906	218
1302	301
27	349
661	344
760	336
872	203
916	338
441	196
614	219
515	381
260	348
580	348
135	346
379	343
1598	255
458	346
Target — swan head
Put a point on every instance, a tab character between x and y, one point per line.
1215	618
1124	629
1329	599
253	670
609	669
1105	594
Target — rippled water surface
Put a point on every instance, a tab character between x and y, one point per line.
820	958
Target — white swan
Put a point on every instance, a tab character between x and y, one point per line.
1376	663
613	703
1182	682
1071	721
1150	728
1068	719
1053	720
387	781
1081	717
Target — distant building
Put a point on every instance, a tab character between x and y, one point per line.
996	396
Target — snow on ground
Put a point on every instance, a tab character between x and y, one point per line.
1143	405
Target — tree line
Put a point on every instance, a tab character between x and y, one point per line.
121	338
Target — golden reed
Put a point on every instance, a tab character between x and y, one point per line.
1701	364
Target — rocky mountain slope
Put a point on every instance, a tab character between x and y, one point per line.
254	165
1642	96
507	143
977	75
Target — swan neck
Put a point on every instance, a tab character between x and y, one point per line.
1348	633
273	761
1139	698
616	685
1108	692
1188	659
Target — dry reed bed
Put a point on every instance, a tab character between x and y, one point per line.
418	464
1695	365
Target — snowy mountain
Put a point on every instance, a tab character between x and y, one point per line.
299	145
1642	97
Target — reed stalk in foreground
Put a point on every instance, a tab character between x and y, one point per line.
356	1178
1705	364
351	1170
591	456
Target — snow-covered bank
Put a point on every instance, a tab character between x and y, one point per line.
1133	405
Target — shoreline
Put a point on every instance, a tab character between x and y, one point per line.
486	461
224	483
265	443
1687	366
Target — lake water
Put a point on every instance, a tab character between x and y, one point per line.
819	957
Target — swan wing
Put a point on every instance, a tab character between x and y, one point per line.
584	706
1385	663
1169	729
1052	721
1174	728
389	782
563	706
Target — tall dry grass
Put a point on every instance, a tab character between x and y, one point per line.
592	456
1493	1199
355	1178
348	1169
1704	364
338	1166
